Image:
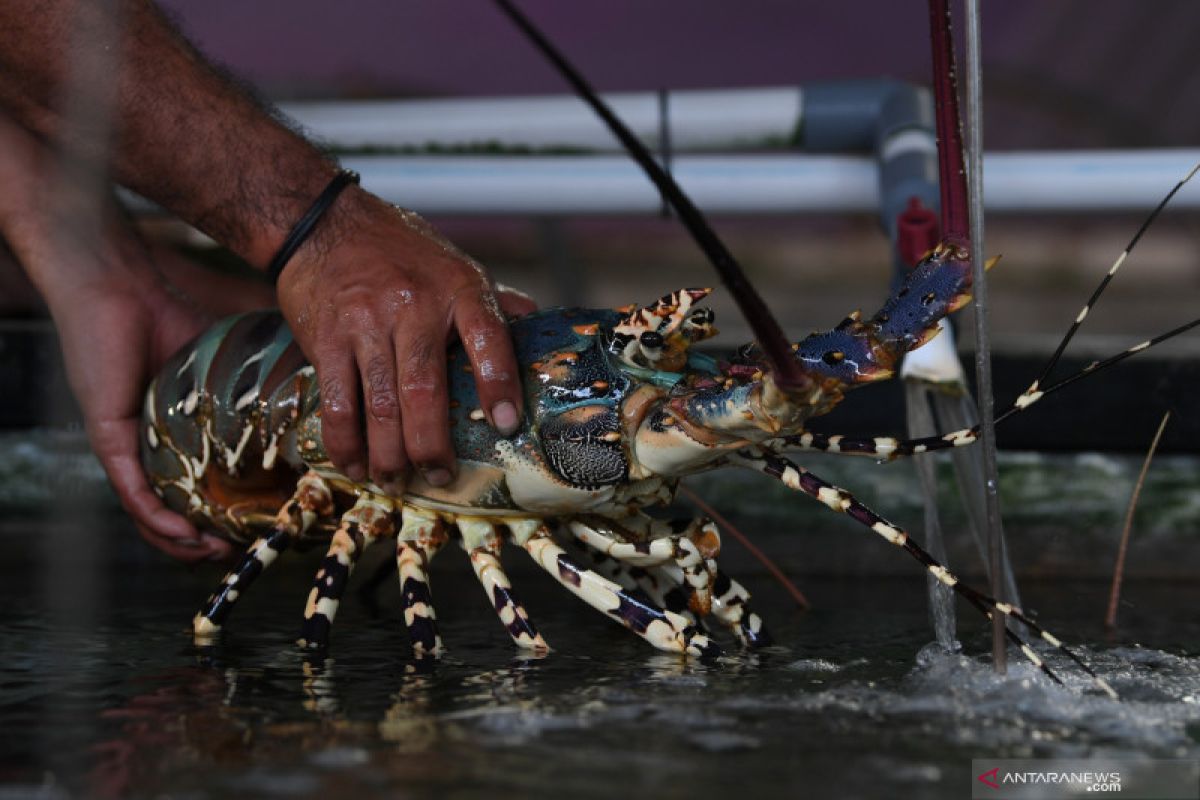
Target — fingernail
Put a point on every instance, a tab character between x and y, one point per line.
392	484
437	476
504	417
217	548
356	473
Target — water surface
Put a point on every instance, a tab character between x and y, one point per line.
102	692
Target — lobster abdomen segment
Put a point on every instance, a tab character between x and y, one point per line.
219	422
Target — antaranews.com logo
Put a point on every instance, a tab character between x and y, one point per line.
1050	779
1086	781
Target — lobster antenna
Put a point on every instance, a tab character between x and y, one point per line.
800	479
890	447
1034	392
787	373
952	171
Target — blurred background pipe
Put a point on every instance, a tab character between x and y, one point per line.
1044	182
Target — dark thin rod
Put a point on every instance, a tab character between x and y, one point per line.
952	172
1114	594
786	370
983	362
664	141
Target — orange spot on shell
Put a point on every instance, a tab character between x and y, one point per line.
586	330
708	543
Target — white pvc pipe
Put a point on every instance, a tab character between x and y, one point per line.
1088	180
726	118
1080	181
615	185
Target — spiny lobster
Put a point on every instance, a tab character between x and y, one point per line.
619	408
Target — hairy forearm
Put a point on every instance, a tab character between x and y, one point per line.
182	134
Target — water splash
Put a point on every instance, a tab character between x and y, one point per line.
932	408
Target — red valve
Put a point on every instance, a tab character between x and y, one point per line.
917	232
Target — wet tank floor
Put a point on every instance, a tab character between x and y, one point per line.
102	692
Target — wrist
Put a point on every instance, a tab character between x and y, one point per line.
350	210
273	212
307	224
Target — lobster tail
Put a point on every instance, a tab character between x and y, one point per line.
857	352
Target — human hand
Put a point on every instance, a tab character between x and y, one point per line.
114	338
117	320
373	299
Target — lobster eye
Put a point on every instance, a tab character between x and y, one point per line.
833	357
651	339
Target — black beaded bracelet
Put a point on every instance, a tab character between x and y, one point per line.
305	226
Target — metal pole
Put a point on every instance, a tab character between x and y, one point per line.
983	365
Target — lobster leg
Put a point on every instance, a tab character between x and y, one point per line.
799	479
311	501
369	519
422	535
730	605
662	629
692	546
656	582
482	543
880	447
693	581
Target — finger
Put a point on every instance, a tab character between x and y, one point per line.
116	446
341	431
206	548
381	405
485	336
514	302
159	526
424	404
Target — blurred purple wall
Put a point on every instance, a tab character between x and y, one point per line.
1064	73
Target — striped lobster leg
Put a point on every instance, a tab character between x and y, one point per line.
730	604
799	479
657	583
311	501
664	630
664	586
482	543
422	535
679	572
370	518
692	546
